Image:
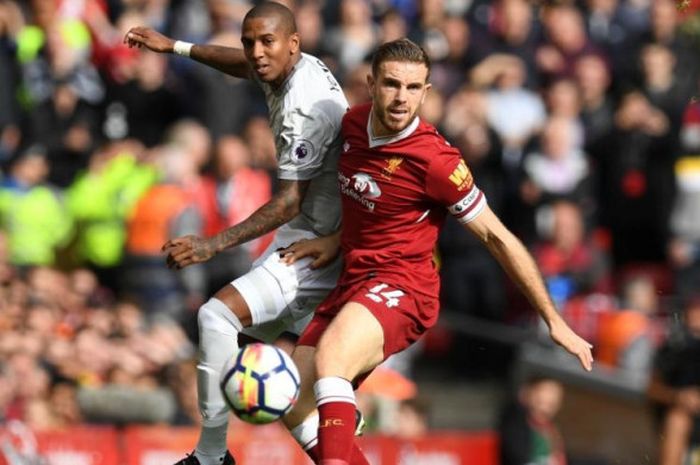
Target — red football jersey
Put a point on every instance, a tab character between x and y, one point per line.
396	192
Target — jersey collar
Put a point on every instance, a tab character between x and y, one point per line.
384	140
284	87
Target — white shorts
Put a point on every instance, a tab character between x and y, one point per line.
283	298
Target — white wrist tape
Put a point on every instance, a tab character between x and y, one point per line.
182	48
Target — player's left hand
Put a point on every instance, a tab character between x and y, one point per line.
323	250
188	250
575	344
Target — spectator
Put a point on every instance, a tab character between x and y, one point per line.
675	386
354	38
471	280
7	391
309	20
661	86
355	86
99	201
195	142
527	430
604	22
258	136
381	396
567	40
56	49
68	126
597	108
626	339
392	26
164	211
637	176
450	67
220	102
559	169
512	31
145	103
412	419
63	352
615	26
563	100
430	30
63	402
515	113
32	213
664	19
230	195
571	262
684	244
433	109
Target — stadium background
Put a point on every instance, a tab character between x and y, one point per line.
578	119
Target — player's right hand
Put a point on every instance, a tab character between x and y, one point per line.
147	37
323	250
188	250
575	344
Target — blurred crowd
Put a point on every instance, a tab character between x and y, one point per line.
578	119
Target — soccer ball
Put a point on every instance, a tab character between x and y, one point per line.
260	384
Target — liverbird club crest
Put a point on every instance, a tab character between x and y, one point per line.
392	165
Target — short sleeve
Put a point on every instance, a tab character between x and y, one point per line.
449	182
302	144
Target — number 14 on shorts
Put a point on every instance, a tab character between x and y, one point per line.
389	297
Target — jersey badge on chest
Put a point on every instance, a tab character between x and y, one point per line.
392	165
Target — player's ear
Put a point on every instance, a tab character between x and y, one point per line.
425	92
370	83
294	43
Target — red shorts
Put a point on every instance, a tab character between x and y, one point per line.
395	309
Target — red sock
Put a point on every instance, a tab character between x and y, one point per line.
357	458
336	433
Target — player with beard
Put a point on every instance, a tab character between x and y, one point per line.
398	180
306	106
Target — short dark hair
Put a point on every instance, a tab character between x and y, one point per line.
400	50
275	10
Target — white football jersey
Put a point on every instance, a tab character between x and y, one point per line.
305	116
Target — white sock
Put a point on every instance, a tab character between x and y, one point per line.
306	434
334	389
218	342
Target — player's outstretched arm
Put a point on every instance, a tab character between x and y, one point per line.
285	205
228	60
521	267
322	249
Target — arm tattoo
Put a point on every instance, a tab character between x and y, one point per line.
279	210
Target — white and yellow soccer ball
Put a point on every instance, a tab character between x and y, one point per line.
260	384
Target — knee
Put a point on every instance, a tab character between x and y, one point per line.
207	316
214	315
